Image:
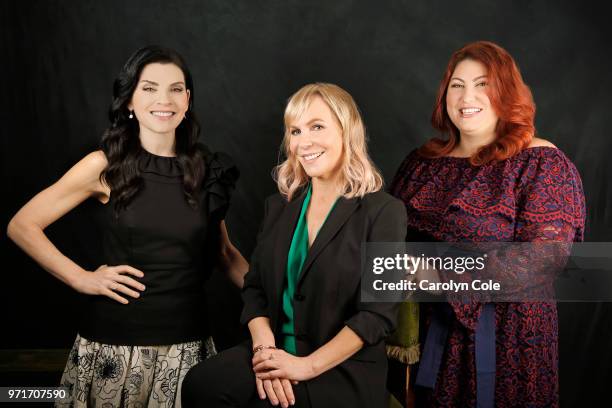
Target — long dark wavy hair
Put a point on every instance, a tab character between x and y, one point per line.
121	144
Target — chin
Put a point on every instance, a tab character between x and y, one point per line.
163	129
312	174
470	130
321	175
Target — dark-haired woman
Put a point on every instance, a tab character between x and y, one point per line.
165	198
490	180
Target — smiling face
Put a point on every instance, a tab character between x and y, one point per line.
160	99
467	102
315	138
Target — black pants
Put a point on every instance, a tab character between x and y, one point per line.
228	380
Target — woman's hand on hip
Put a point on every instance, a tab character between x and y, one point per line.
110	281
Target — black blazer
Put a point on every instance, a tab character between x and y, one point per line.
327	295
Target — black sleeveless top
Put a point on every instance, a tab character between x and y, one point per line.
175	246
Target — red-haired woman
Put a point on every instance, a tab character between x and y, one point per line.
490	180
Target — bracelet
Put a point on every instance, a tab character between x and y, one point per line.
262	347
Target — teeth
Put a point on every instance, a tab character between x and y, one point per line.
313	156
163	113
470	110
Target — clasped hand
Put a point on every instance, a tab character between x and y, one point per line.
276	371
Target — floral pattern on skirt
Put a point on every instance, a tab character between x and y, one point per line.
108	376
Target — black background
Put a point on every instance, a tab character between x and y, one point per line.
59	60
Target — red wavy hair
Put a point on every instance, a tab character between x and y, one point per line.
509	95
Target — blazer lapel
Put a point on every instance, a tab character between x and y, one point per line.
287	222
336	219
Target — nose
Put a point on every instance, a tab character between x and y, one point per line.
468	95
305	141
164	98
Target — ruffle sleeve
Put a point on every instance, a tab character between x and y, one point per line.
219	182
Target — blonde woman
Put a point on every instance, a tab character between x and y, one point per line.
313	342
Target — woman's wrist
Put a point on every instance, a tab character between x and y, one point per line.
312	365
75	279
261	334
259	347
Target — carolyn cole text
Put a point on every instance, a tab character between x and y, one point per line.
409	265
450	286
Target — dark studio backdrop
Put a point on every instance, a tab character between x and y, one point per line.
59	59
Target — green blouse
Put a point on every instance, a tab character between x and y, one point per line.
298	251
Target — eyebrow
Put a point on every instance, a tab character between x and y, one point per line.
473	80
315	120
156	84
310	122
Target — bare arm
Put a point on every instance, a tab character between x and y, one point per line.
261	333
232	260
27	226
26	229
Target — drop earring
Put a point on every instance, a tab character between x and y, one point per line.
131	115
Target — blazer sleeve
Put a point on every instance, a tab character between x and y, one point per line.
253	294
374	321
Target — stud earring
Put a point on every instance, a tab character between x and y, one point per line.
131	115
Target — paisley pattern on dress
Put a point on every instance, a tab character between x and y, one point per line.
533	196
109	376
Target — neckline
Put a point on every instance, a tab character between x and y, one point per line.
165	166
520	152
157	155
304	212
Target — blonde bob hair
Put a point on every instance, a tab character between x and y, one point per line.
359	176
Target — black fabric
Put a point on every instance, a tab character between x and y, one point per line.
228	380
175	245
328	291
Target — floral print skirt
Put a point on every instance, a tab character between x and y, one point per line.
104	375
